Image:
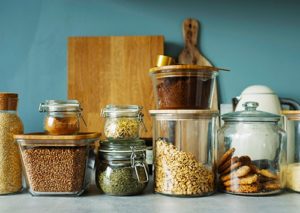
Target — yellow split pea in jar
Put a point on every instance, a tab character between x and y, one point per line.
62	117
122	121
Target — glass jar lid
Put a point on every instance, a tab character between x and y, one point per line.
60	106
251	114
122	111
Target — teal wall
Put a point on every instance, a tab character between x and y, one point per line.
258	40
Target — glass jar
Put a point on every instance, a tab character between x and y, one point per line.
10	160
184	152
292	126
183	86
251	152
122	122
62	117
121	167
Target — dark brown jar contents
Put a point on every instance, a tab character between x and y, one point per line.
61	125
184	93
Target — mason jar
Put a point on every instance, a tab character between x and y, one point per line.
122	122
10	160
62	117
251	152
121	167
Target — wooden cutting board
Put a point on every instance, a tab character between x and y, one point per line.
112	70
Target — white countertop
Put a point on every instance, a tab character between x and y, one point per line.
92	201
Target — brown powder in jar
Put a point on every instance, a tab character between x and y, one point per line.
61	126
55	169
184	93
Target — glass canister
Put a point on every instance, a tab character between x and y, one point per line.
251	152
183	86
122	121
62	117
292	126
121	167
184	152
10	160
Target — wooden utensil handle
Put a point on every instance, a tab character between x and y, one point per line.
190	31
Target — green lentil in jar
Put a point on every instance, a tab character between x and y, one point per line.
120	181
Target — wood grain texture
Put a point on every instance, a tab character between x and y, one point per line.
191	54
112	70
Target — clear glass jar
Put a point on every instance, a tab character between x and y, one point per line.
62	117
292	126
251	152
184	152
121	168
10	160
122	122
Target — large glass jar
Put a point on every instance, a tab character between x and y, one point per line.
62	117
184	152
251	152
121	167
122	121
10	160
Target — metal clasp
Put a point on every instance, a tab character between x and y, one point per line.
141	120
135	165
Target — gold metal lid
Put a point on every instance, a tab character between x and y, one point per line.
163	60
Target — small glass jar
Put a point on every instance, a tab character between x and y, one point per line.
122	122
62	117
251	152
121	168
184	152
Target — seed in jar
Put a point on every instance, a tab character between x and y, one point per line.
121	128
10	160
179	173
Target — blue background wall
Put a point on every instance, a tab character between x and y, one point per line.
258	40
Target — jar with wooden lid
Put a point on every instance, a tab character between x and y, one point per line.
62	117
10	161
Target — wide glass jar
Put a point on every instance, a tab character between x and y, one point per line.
122	121
10	160
183	86
62	117
251	152
121	167
184	152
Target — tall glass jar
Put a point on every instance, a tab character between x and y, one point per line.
184	152
62	117
10	161
121	167
251	152
122	121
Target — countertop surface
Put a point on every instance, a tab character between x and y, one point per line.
92	201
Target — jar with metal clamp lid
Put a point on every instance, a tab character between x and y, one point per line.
121	168
122	121
62	117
